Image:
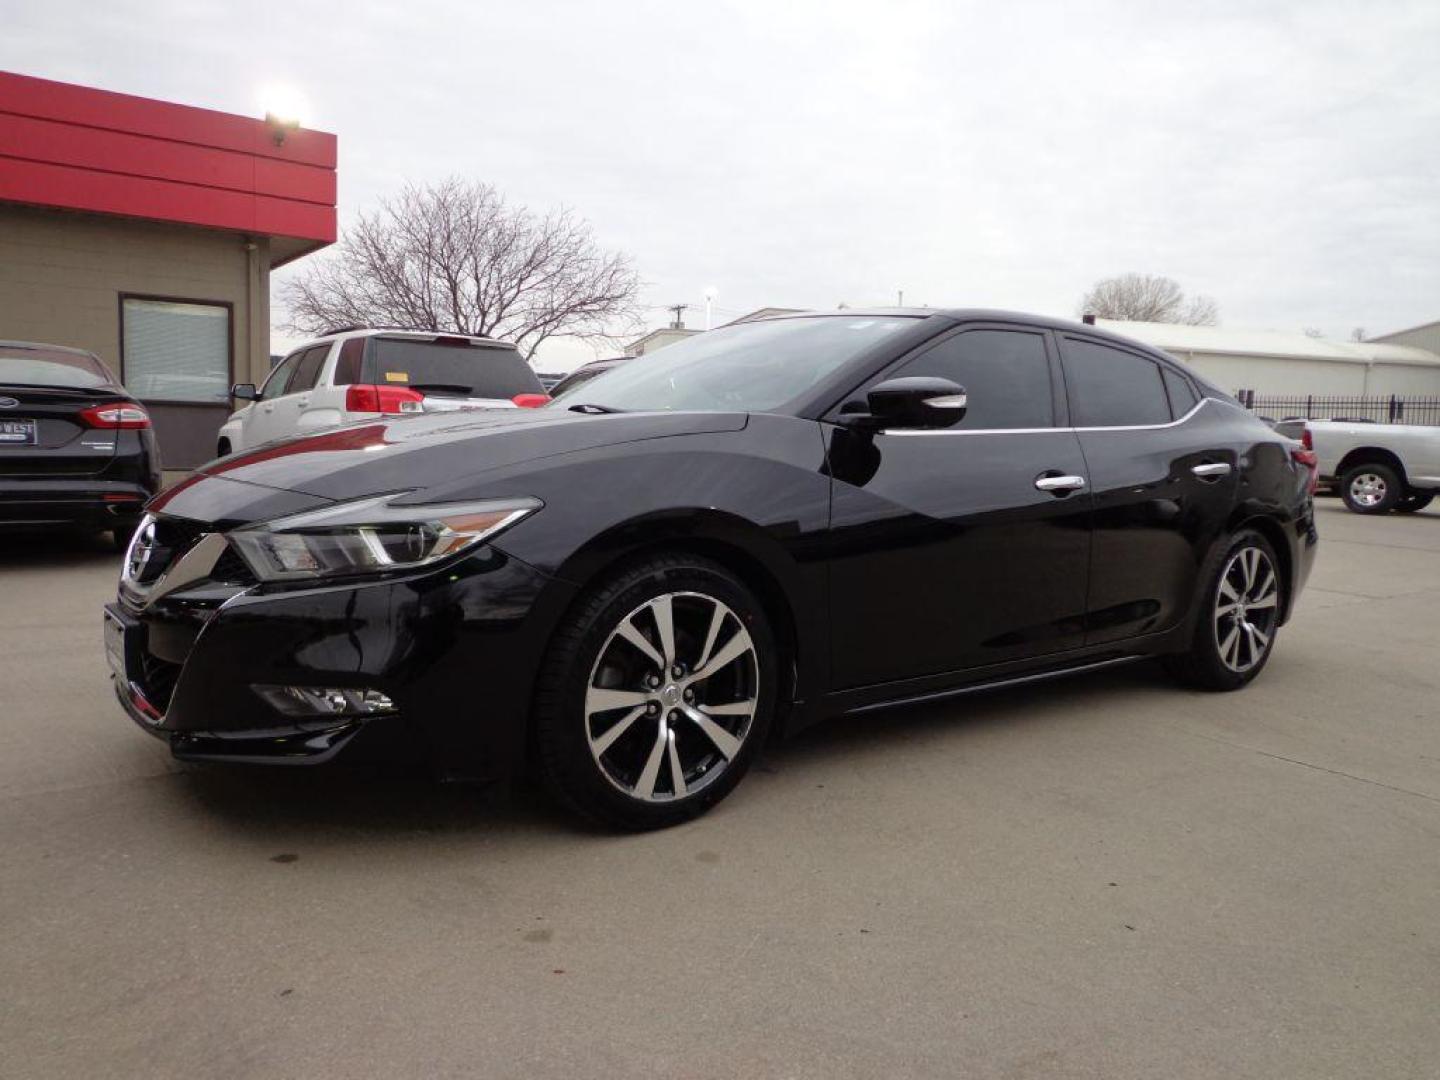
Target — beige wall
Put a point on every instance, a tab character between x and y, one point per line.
61	276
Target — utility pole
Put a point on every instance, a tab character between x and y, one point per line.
678	324
900	301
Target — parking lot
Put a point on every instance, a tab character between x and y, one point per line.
1103	877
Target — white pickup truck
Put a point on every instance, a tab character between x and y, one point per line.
1377	467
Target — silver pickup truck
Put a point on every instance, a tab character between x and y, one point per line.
1377	467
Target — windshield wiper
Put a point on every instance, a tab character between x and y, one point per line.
468	391
594	410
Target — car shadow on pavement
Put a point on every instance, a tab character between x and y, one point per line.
1055	701
301	805
55	550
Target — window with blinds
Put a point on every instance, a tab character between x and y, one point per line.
176	351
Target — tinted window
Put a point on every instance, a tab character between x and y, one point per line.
307	370
574	379
746	367
1004	372
275	383
449	369
347	367
46	367
1112	388
1182	394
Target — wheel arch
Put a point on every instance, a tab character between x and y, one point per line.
1371	455
741	547
1274	532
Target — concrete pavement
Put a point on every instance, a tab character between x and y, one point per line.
1104	877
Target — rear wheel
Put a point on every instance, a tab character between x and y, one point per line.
656	694
223	449
1413	501
1371	489
1235	633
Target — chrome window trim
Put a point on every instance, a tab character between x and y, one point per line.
1038	431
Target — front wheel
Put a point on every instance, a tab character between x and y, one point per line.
1235	630
656	694
1414	501
1371	489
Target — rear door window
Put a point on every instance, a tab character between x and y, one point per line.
1113	388
450	368
1182	395
307	371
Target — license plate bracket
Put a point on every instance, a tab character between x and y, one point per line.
122	643
17	433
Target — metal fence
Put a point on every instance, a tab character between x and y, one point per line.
1393	409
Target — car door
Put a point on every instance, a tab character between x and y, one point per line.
1163	479
279	414
255	419
965	546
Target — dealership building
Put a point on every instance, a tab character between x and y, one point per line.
145	232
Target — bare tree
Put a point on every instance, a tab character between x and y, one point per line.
1148	298
1357	334
454	256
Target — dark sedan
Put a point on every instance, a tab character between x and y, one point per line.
75	448
737	535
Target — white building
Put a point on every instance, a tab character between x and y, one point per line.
1420	337
1276	362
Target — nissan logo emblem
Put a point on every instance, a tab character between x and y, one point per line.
8	403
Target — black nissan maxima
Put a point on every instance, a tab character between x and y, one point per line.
76	450
636	586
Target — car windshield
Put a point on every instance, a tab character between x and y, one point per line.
45	367
451	370
750	367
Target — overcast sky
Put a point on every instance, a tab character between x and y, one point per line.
1283	158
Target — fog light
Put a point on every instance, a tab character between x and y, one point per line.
312	701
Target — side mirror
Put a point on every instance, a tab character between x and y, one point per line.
244	391
918	401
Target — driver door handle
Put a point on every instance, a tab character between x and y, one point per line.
1060	485
1212	470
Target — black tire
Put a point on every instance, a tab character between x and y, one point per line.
223	449
1371	489
1215	661
596	784
1414	502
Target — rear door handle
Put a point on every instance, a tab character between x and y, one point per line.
1211	470
1059	485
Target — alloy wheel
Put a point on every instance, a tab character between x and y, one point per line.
1368	489
672	696
1247	607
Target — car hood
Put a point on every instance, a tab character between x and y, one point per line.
408	454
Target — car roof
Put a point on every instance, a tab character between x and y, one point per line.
1047	322
346	332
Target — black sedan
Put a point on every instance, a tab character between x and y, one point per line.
75	448
636	586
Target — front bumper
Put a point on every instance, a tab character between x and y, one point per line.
456	649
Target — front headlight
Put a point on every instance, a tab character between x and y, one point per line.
371	535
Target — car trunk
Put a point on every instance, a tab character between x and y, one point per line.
42	433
